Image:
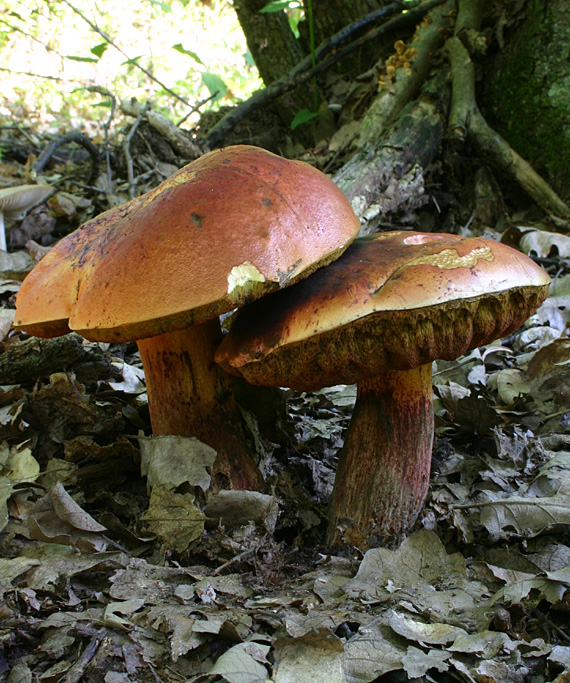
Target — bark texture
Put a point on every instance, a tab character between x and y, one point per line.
274	48
527	91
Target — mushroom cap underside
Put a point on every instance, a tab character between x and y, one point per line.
15	200
392	301
225	229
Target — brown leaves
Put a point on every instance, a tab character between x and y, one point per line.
57	518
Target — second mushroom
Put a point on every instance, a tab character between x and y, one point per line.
392	304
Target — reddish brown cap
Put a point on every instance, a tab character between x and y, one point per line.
226	229
392	301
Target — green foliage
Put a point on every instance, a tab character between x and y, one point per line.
294	9
303	116
280	5
180	48
215	85
51	53
99	50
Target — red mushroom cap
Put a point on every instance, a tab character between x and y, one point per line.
229	227
392	301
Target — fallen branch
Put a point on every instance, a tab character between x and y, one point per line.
398	138
301	74
72	136
28	360
181	141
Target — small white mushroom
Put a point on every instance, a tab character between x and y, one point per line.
15	201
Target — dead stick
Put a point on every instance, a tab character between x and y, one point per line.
75	674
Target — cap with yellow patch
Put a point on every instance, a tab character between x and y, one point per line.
392	300
379	316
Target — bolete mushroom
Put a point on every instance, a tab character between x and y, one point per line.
231	226
15	201
379	316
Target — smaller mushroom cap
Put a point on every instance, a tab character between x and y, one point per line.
391	301
16	200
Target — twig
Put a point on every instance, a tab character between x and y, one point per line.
545	620
71	136
75	674
127	150
31	37
32	75
494	503
109	40
302	73
195	108
236	558
106	127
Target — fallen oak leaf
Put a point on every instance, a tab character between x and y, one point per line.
57	518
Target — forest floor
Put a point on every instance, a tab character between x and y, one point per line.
113	570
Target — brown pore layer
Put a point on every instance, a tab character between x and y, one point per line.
393	340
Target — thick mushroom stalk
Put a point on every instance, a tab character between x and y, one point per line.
378	317
386	457
189	395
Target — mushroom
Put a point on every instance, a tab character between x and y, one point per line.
379	316
231	226
15	201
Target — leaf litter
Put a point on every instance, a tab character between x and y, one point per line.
119	564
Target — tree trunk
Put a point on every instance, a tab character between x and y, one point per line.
330	16
275	50
526	93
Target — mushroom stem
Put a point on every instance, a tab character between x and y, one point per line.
383	472
190	396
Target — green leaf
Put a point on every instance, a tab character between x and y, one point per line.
98	50
132	60
279	5
302	117
215	85
82	59
249	58
180	48
163	6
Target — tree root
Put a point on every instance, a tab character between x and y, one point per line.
467	123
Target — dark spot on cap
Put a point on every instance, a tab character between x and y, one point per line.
197	219
266	202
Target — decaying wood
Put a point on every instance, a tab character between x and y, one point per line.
393	177
387	171
26	361
181	142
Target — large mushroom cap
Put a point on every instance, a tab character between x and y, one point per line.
229	227
392	301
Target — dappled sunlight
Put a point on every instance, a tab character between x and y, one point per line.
51	55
